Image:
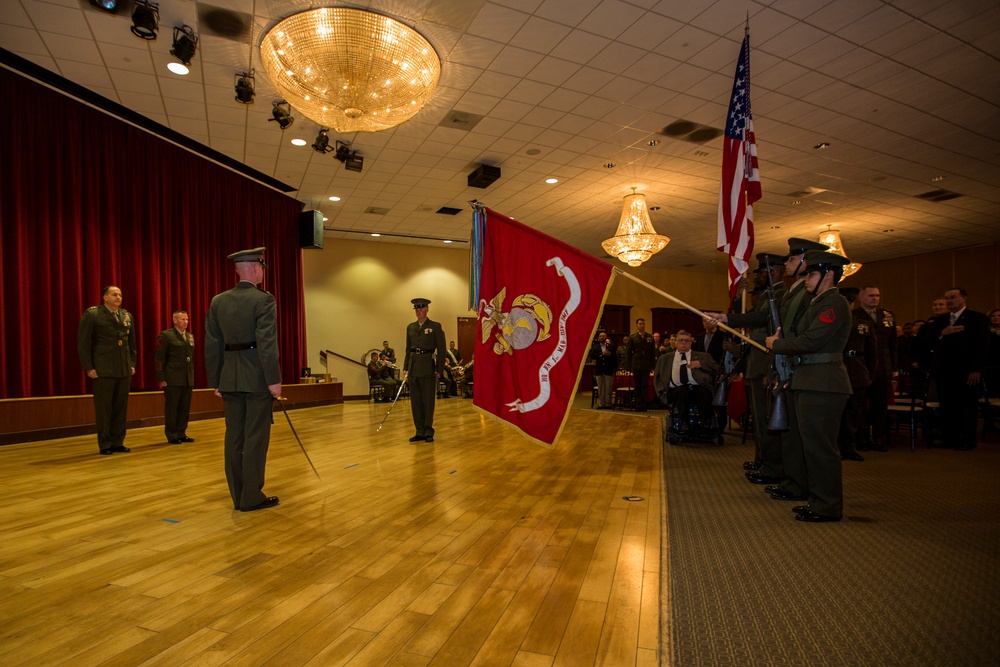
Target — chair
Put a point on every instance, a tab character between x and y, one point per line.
623	391
376	392
910	400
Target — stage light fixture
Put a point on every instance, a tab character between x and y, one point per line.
322	144
145	19
343	150
282	113
244	87
110	6
185	44
355	162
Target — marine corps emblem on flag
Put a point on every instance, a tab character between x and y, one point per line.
530	349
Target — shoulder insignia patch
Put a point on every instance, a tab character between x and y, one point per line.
828	316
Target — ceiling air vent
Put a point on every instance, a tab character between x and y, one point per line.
938	195
224	22
376	210
688	130
461	120
448	210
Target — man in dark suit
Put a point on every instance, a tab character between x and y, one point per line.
175	374
883	323
106	344
684	376
820	386
860	360
710	341
605	358
241	358
959	342
423	364
640	354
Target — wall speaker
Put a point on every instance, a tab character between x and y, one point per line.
483	176
310	229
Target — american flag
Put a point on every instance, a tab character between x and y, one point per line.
740	186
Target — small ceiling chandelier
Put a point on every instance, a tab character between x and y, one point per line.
831	237
636	240
350	69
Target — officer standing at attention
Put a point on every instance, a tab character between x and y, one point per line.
639	357
423	364
241	358
820	386
860	360
106	343
175	374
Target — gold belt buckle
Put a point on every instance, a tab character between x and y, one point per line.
119	343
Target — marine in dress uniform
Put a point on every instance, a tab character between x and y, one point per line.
241	358
883	324
106	344
423	365
860	360
175	374
768	448
820	385
640	355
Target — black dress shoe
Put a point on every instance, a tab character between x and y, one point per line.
782	494
757	478
269	501
879	448
772	488
812	517
184	438
106	452
852	457
121	448
429	438
417	438
174	441
751	465
799	509
862	448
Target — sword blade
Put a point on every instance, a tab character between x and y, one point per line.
297	439
392	405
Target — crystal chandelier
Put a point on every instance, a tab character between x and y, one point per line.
831	237
636	240
350	69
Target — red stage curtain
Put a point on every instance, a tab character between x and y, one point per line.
87	200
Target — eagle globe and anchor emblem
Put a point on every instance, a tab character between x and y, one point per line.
529	321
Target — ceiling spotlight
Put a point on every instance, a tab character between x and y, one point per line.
145	19
282	113
822	145
244	87
343	150
185	44
355	162
110	6
322	144
298	142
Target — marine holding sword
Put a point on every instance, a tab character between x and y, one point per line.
241	358
423	366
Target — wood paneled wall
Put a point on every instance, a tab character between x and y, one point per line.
909	284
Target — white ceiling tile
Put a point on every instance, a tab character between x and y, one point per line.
568	12
580	47
475	51
539	35
611	18
23	41
498	23
553	71
616	57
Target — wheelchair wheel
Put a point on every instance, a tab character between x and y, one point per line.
674	439
719	440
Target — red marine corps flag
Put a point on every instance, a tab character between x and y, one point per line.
740	177
538	301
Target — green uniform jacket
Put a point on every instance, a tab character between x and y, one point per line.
244	314
640	352
105	344
823	329
429	337
175	358
758	321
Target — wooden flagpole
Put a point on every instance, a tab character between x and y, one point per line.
693	310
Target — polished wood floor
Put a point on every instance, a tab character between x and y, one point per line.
479	549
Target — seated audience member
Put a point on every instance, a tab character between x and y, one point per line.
684	376
380	374
466	380
388	354
452	368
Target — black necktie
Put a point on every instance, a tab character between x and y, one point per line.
684	368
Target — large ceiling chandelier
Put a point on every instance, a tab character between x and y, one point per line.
636	240
831	237
350	69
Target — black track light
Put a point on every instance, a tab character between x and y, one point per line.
322	144
185	44
343	150
282	113
145	19
110	6
244	87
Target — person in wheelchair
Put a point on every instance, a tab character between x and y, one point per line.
684	378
